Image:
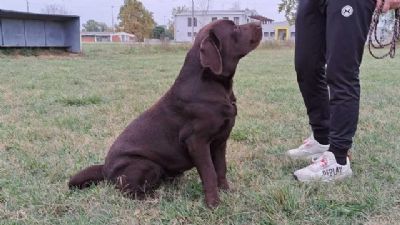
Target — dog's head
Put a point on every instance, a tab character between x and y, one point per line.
222	44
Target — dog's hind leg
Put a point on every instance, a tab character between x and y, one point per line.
139	178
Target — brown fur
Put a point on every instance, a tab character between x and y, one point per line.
189	126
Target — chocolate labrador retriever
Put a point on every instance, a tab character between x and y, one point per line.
189	126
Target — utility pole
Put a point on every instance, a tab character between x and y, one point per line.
27	5
192	20
112	19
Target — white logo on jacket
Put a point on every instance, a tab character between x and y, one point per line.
347	11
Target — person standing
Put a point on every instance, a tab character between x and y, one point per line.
330	40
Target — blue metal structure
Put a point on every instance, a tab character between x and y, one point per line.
20	29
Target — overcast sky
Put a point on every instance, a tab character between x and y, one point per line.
101	10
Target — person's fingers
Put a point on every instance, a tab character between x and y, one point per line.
378	3
386	6
395	4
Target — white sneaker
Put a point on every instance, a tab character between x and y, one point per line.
325	169
310	149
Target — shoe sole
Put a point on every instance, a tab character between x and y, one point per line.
309	157
338	179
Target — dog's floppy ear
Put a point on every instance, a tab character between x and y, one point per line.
210	56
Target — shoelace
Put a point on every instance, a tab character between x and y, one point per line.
307	142
321	161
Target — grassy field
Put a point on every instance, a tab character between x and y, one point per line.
59	114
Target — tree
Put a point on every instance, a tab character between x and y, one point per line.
54	9
159	32
94	26
136	19
171	29
289	7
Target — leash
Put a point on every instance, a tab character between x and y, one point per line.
373	40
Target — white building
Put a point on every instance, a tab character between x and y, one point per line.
184	21
278	31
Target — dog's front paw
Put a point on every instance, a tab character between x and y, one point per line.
212	202
212	199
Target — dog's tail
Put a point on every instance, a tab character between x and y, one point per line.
85	178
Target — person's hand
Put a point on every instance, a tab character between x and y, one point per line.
388	5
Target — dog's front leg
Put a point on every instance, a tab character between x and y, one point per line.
199	151
218	152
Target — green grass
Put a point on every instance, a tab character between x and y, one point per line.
59	114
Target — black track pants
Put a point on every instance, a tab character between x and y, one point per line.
332	33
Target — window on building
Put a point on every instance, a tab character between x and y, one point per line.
225	18
189	21
266	34
103	38
236	20
214	18
266	21
272	34
194	21
189	34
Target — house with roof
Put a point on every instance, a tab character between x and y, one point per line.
184	22
187	26
107	37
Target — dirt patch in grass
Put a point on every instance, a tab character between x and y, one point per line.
80	101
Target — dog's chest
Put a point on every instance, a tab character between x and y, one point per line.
226	128
228	118
229	110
